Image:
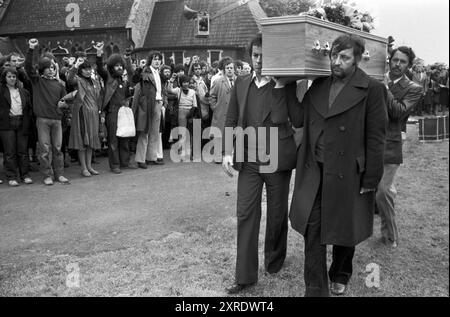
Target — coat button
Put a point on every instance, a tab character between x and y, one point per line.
341	176
341	153
342	129
313	121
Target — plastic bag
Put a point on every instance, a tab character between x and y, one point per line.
125	123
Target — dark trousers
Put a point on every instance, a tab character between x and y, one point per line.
250	186
118	148
15	148
315	272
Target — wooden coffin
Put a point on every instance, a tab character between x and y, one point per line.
297	46
433	129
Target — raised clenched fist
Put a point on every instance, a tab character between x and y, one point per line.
128	52
72	61
99	46
33	43
79	61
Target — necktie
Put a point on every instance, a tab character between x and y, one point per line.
390	85
231	83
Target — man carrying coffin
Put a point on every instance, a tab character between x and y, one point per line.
339	165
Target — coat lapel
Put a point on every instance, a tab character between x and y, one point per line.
351	94
267	106
148	76
113	84
242	102
7	96
319	99
400	88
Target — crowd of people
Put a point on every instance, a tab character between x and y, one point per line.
435	85
60	111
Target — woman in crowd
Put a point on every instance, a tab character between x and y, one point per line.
15	119
85	115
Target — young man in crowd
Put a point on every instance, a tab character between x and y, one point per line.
202	93
48	92
148	111
220	95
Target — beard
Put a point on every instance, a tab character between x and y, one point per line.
118	73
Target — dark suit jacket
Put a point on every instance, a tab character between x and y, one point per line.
5	107
402	98
354	131
275	109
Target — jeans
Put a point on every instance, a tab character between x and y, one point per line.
51	158
385	202
15	147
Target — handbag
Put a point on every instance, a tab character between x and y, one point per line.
125	123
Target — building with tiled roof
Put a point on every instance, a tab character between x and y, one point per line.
232	24
65	26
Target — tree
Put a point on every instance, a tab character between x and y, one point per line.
276	8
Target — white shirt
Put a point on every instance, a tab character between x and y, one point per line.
260	83
16	102
158	84
394	81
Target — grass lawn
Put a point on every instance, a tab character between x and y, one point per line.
201	262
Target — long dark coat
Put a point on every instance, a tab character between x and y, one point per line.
354	131
144	101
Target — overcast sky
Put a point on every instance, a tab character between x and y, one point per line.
421	24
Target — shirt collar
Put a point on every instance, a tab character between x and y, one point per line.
264	80
396	80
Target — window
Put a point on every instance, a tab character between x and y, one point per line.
166	57
179	57
214	56
202	25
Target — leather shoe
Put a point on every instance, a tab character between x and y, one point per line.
155	163
116	171
338	288
142	165
237	288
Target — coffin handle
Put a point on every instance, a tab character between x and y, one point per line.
366	56
316	48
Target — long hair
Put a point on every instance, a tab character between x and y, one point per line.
112	61
6	70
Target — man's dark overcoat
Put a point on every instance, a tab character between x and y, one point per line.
354	131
